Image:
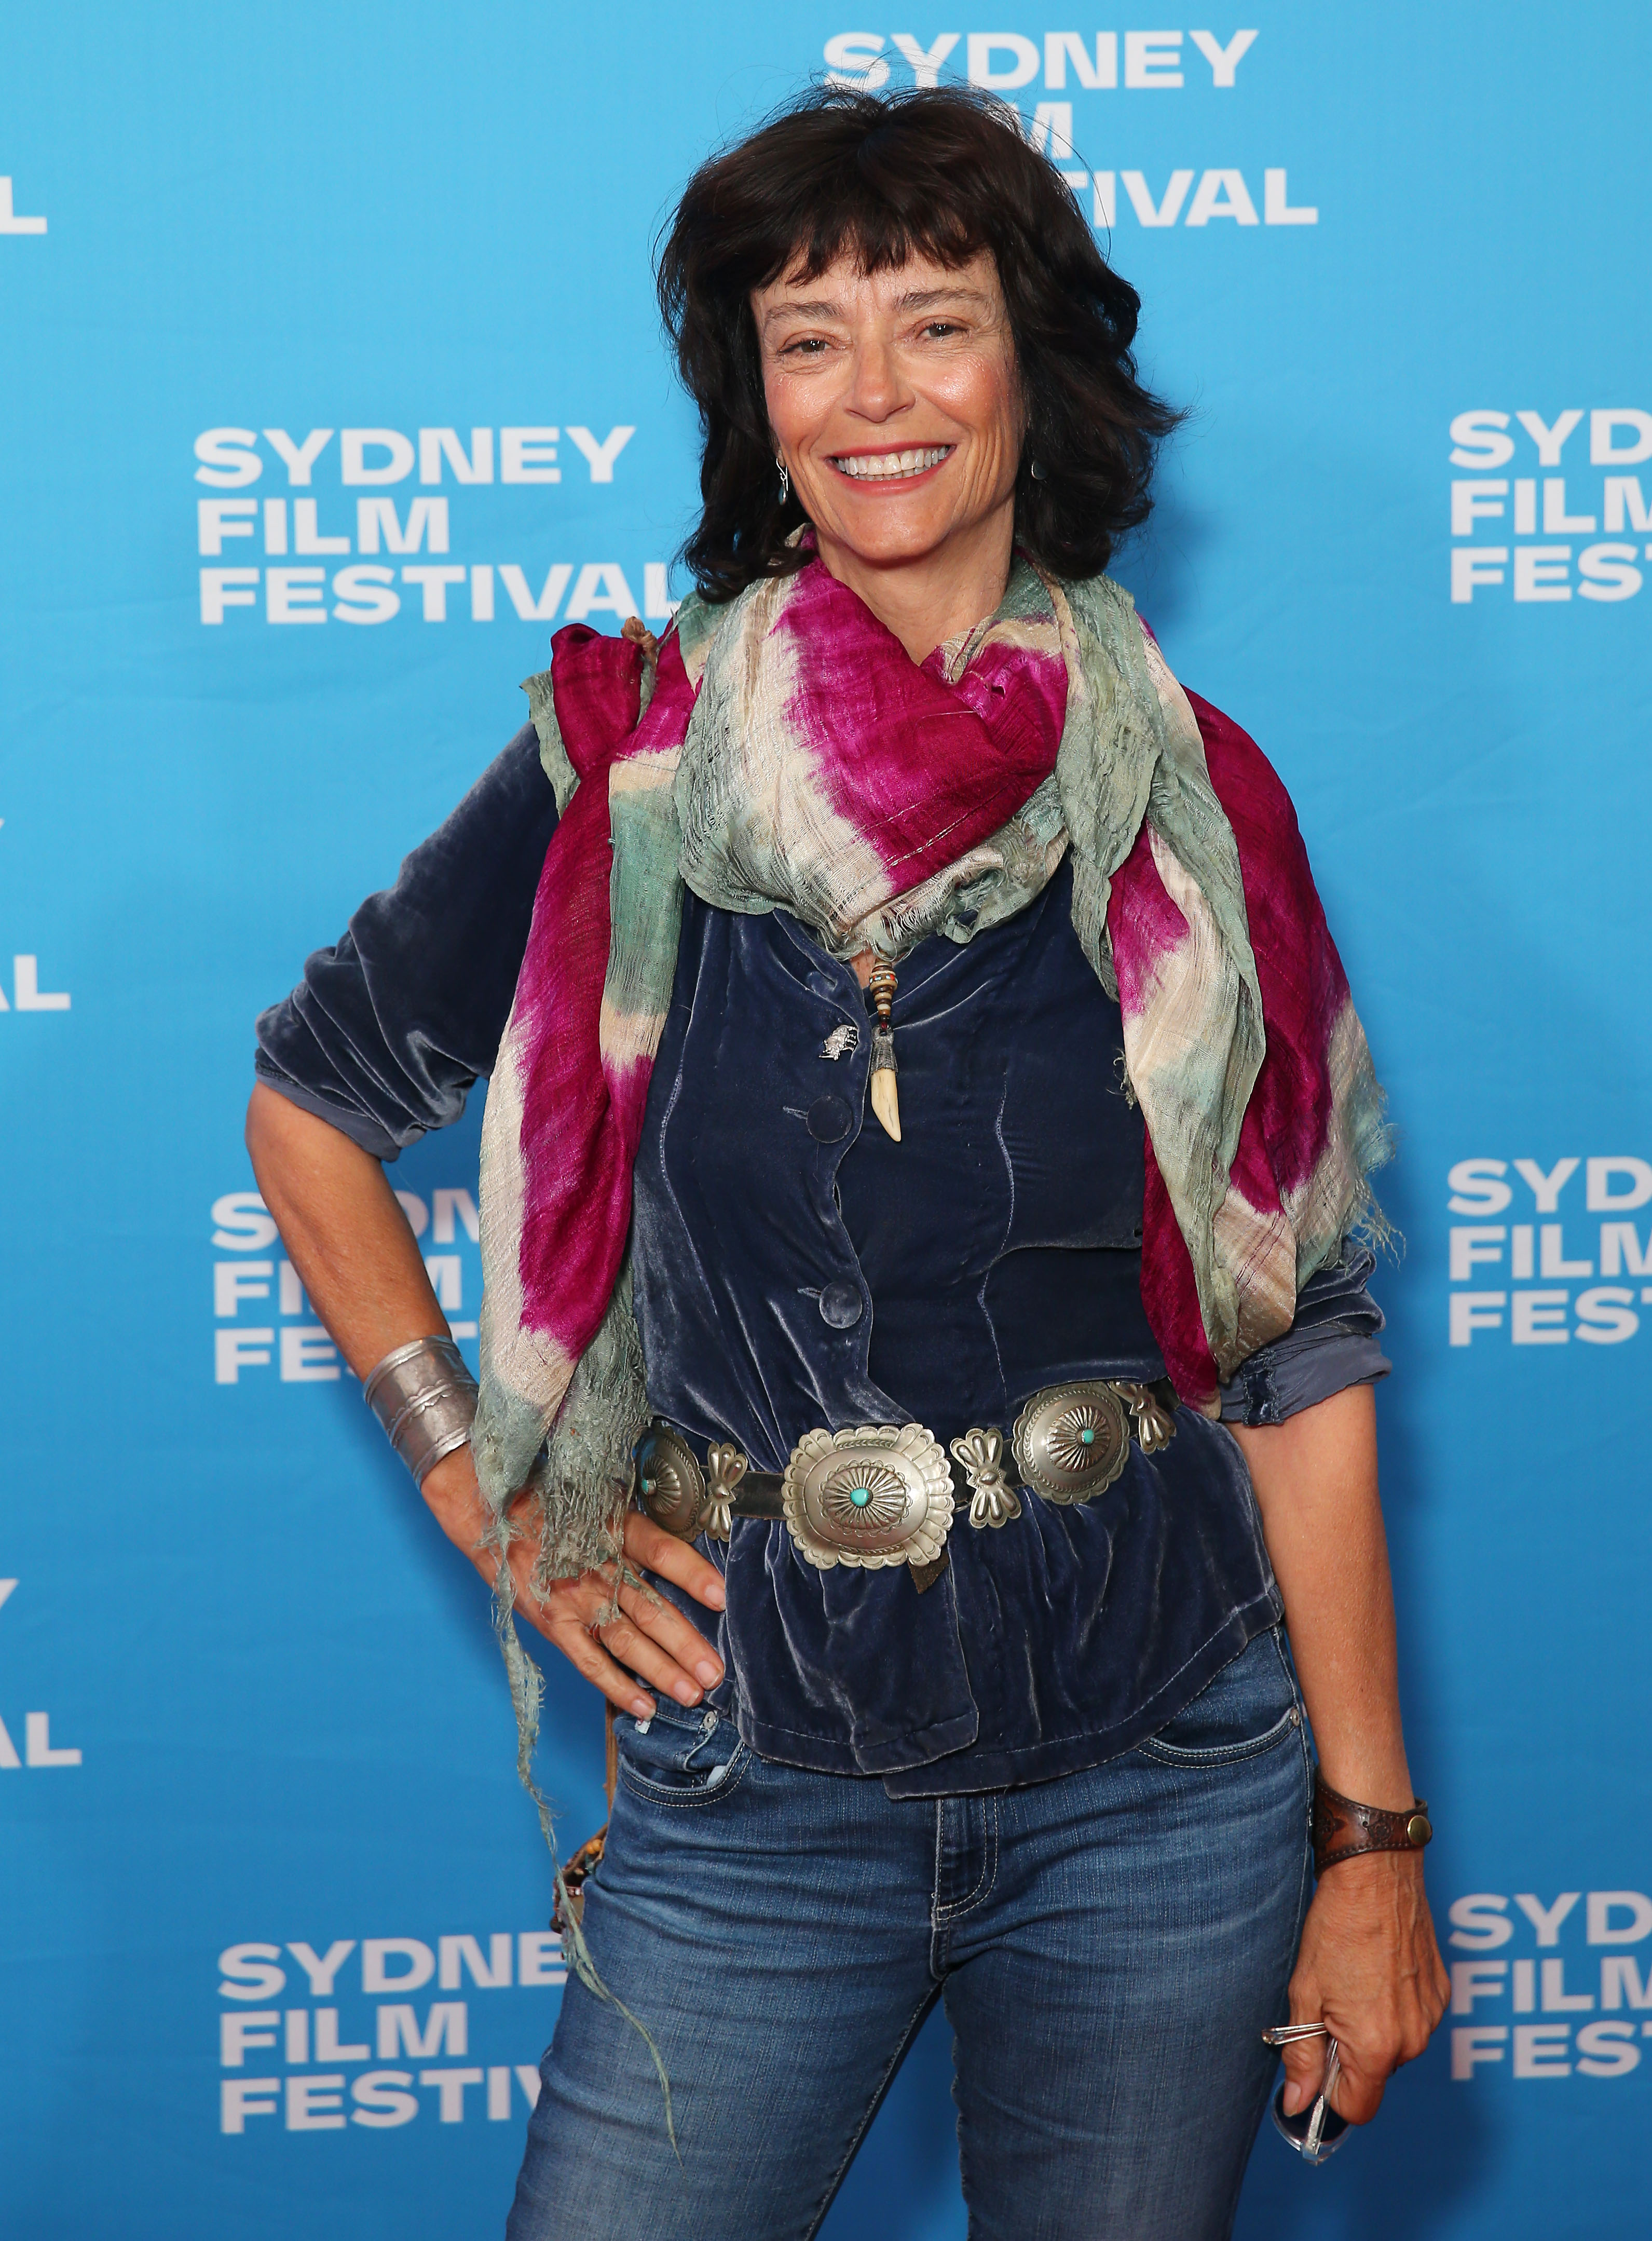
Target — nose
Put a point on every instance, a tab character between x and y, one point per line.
876	389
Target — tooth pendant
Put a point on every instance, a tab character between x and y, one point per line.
885	1102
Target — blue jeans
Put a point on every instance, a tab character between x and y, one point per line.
1110	1946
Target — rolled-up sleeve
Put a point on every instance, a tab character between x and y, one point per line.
390	1028
1332	1344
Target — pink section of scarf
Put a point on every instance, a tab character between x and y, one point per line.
582	1107
923	771
1305	993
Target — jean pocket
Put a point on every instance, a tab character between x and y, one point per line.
1250	1707
679	1759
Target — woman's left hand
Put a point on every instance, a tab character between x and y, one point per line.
1370	1968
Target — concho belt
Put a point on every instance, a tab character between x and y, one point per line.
886	1493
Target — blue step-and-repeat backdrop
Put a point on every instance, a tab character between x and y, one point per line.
331	384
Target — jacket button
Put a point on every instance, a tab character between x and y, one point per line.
841	1304
829	1119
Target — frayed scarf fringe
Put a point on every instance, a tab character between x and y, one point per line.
581	1484
1367	1222
1130	751
527	1697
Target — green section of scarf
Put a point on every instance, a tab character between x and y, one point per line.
1126	753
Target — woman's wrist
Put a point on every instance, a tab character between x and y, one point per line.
1346	1827
455	1500
1374	1777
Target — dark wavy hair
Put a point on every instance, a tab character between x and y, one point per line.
942	172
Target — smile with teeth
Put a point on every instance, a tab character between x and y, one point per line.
887	466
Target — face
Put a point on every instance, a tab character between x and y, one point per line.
895	405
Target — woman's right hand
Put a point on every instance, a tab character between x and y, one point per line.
646	1632
361	1266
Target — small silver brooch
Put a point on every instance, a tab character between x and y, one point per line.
724	1469
1155	1427
841	1041
993	1501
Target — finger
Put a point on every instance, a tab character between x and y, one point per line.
571	1611
568	1610
633	1647
1440	1992
521	1560
677	1635
576	1602
584	1598
587	1656
1417	2029
651	1548
1357	2094
1304	2060
666	1647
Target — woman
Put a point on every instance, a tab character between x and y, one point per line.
926	1134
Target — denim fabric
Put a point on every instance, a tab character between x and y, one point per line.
1109	1947
795	1267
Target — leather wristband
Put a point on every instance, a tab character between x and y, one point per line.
1344	1828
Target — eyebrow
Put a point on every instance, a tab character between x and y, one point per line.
816	311
917	299
920	299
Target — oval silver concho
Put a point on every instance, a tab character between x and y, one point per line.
880	1494
1071	1442
672	1483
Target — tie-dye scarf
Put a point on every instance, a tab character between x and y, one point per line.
784	751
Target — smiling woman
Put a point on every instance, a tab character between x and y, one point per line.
896	408
923	1414
935	209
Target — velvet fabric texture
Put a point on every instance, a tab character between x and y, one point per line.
1005	1258
786	753
791	1265
389	1028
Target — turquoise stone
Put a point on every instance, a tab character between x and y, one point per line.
1088	1436
860	1496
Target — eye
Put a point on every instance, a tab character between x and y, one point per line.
806	346
942	328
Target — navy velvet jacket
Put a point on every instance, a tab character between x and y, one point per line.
793	1267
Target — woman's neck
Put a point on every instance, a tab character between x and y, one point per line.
939	596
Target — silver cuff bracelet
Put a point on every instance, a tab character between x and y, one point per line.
425	1398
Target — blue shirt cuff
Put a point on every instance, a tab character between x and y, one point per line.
1332	1345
